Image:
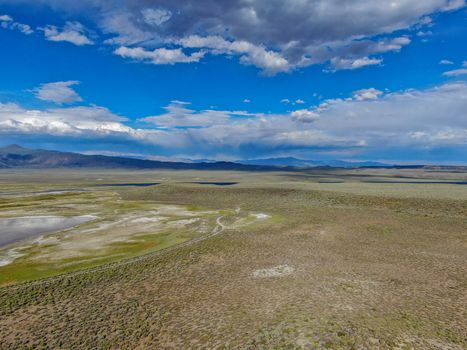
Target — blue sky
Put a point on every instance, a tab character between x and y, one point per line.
234	79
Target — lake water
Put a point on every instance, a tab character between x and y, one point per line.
17	229
216	183
143	184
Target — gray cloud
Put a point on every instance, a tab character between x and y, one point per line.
59	92
155	17
274	35
278	36
277	23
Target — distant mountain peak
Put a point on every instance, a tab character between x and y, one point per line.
13	147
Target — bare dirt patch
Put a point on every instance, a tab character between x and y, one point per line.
276	271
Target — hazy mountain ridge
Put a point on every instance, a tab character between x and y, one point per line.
306	163
14	156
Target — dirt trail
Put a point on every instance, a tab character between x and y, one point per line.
220	226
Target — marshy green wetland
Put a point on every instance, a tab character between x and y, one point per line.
312	259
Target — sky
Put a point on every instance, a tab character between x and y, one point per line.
237	79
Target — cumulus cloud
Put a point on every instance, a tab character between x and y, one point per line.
367	121
7	22
357	53
59	92
304	116
276	36
271	62
159	56
342	55
401	117
72	32
91	121
367	94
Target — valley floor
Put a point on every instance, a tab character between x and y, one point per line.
321	259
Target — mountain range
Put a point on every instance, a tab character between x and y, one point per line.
307	163
14	156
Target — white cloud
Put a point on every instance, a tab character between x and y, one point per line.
58	92
350	64
76	121
455	72
424	33
368	121
447	62
23	28
387	121
7	22
367	94
159	56
178	102
342	55
271	62
395	118
246	101
178	115
304	116
354	54
296	102
72	32
155	17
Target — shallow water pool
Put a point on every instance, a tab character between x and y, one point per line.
17	229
